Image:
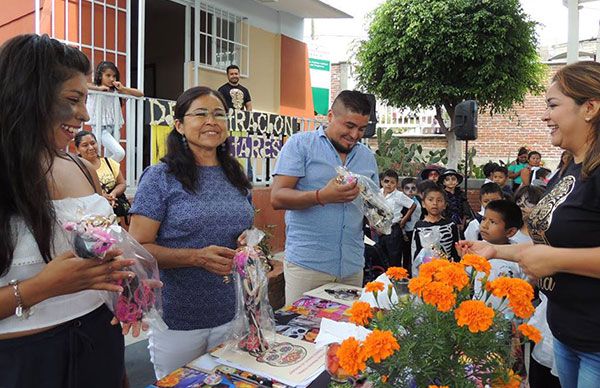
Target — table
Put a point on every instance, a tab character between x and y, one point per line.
299	321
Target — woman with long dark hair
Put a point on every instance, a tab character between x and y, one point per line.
189	211
55	330
565	228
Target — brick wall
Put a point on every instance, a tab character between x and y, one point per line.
500	136
473	199
428	143
336	83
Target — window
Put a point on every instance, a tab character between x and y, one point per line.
223	39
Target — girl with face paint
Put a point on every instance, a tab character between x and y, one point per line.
54	327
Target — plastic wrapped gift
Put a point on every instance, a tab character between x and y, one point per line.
92	236
370	200
254	324
431	250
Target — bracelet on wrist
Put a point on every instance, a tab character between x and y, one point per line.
318	199
20	310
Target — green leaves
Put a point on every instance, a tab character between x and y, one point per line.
407	160
426	52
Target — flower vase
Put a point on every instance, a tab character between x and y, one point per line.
332	365
401	288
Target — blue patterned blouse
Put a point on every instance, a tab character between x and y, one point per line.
216	214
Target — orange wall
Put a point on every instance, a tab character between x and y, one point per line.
295	92
17	17
261	198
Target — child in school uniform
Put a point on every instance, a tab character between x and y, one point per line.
500	176
501	221
391	245
487	193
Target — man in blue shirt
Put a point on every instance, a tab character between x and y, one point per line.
324	238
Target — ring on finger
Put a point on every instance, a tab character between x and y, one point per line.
109	277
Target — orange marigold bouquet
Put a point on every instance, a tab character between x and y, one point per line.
446	333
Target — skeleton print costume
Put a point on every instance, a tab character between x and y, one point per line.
446	235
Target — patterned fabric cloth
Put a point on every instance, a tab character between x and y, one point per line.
216	214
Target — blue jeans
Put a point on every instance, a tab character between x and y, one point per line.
576	369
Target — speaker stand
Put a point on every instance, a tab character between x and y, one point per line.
466	165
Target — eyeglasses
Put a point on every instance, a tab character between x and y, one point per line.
202	114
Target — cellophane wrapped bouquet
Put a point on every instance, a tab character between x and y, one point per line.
444	333
92	236
254	323
370	200
430	250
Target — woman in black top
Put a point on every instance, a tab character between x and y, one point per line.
565	228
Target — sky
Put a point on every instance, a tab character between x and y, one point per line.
335	36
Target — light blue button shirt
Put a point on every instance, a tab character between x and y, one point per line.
324	238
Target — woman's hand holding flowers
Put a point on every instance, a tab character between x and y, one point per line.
215	259
67	274
481	248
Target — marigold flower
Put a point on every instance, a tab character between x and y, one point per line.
417	285
453	275
530	332
384	379
352	356
518	292
374	286
475	314
397	273
439	295
360	313
477	262
514	381
427	270
499	287
521	307
379	345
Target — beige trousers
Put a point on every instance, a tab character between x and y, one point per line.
298	280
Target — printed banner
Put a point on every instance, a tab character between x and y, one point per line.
257	135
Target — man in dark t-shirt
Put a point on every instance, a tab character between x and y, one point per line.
236	96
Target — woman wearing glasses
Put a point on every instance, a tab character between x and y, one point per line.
189	211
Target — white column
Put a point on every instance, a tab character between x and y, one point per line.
598	44
139	168
130	105
197	43
37	16
188	49
573	42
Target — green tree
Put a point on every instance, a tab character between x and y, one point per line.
437	53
